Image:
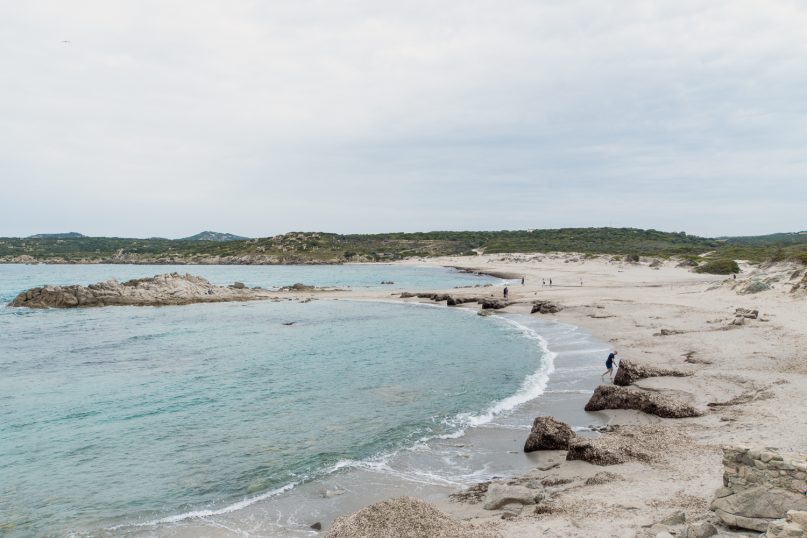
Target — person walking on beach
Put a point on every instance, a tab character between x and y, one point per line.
506	293
609	363
522	281
550	282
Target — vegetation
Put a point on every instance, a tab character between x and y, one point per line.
315	247
719	267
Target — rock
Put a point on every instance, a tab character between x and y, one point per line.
677	518
160	290
798	517
782	528
407	295
629	372
746	313
499	495
330	493
545	307
701	530
404	517
603	477
238	285
756	507
590	450
316	526
456	301
614	397
494	304
667	332
548	434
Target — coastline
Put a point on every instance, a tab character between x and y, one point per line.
753	375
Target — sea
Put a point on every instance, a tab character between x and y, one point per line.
260	419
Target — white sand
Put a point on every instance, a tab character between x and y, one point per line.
759	368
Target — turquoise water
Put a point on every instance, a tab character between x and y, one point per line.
121	415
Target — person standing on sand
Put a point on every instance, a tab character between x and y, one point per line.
506	292
609	363
550	282
522	281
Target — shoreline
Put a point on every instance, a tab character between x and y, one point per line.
748	381
753	374
401	471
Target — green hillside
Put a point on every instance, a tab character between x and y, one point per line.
317	247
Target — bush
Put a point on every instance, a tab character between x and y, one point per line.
719	267
803	258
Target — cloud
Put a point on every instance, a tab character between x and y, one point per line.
164	118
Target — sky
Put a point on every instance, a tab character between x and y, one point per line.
164	118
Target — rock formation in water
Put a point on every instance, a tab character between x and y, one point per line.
159	290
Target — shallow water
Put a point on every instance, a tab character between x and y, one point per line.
119	417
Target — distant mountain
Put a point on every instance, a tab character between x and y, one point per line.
67	235
214	236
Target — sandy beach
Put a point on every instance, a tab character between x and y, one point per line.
747	379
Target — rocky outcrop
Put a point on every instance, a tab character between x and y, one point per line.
493	304
629	373
160	290
545	307
759	487
548	434
404	517
456	301
614	397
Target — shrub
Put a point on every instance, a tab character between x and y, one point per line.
719	267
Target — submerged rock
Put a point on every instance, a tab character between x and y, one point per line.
615	397
159	290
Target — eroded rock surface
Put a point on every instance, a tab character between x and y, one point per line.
629	373
760	487
404	517
160	290
548	434
615	397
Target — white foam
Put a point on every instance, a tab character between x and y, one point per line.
533	385
198	514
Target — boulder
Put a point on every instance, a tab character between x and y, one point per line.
615	397
746	313
755	508
499	495
545	307
493	304
404	517
548	434
629	372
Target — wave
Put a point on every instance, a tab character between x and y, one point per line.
533	386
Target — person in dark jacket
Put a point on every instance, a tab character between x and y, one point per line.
609	363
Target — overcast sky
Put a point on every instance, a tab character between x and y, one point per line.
164	118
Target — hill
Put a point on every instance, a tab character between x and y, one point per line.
66	235
321	247
214	236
